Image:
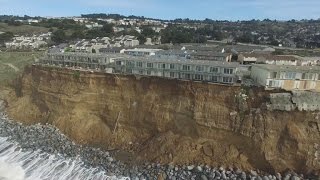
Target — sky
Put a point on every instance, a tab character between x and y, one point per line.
169	9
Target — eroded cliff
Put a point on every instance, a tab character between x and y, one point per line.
169	121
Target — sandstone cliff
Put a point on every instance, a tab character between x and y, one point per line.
166	121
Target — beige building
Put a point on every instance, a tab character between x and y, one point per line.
211	56
251	58
200	70
287	77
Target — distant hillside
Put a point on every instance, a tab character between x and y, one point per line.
22	29
116	16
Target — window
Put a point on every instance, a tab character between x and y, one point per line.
139	64
118	63
186	68
163	66
187	76
273	75
148	72
130	63
227	79
290	75
318	76
149	65
140	72
172	74
198	77
129	71
273	83
307	76
214	69
228	71
171	66
214	78
199	68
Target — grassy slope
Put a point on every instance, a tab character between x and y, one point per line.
23	29
17	59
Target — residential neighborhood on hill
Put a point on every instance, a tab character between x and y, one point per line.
292	34
212	51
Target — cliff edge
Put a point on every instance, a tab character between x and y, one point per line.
169	121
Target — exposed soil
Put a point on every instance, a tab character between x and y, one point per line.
168	121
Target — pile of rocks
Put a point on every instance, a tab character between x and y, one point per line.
47	138
207	173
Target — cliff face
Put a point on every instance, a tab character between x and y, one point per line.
167	121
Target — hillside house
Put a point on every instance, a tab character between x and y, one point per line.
83	60
201	70
29	42
130	42
251	58
287	77
141	52
112	50
87	45
211	56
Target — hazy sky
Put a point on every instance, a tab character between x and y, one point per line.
169	9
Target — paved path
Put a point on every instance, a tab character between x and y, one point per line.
12	66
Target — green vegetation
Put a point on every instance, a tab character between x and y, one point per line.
115	16
278	52
59	24
59	36
66	30
106	30
7	36
177	35
22	29
76	74
267	32
13	63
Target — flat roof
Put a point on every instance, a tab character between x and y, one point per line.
183	61
173	52
154	59
269	67
210	53
270	57
142	50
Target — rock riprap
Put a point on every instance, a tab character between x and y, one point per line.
46	138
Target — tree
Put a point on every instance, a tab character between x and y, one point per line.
202	39
274	42
142	39
12	22
78	34
58	36
107	28
7	36
178	35
93	33
148	31
245	38
217	35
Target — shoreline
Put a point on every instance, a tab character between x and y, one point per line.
49	139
